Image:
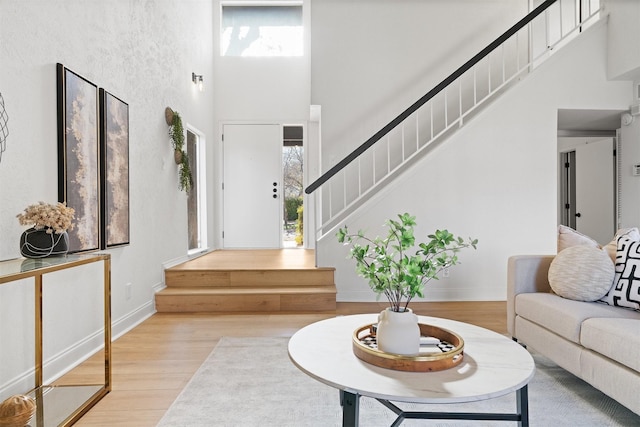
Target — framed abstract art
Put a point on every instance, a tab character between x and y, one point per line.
79	157
114	150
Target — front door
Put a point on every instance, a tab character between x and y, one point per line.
251	188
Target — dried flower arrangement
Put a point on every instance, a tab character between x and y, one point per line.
54	218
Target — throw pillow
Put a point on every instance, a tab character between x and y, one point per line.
612	246
625	291
568	237
581	273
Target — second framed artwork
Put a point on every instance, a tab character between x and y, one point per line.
114	148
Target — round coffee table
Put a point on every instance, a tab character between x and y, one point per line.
493	366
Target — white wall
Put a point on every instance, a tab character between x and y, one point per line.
624	39
495	180
629	184
372	59
143	53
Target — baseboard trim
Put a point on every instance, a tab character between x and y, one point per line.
73	355
132	319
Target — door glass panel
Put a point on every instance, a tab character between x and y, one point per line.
195	206
293	186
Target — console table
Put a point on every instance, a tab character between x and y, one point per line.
61	405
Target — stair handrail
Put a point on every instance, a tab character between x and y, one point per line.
428	96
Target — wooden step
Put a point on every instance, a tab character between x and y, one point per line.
226	278
249	281
245	299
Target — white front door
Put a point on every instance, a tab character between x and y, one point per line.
252	186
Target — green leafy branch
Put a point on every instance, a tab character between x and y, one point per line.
389	266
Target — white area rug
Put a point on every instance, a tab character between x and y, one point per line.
252	382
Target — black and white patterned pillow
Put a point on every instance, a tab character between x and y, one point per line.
625	291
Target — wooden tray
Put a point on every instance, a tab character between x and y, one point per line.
451	351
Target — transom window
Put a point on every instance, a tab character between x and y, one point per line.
262	30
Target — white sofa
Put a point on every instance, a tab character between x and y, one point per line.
597	342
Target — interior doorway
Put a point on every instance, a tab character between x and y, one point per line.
587	187
588	171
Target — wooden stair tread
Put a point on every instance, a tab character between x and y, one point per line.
250	268
247	290
243	278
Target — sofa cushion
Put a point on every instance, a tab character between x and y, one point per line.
568	237
625	291
618	339
563	316
581	273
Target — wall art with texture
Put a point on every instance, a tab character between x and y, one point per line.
114	148
79	157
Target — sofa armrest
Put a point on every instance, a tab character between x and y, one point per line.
525	274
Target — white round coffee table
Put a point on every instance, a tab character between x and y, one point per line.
493	366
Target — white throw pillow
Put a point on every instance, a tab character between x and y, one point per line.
625	291
581	273
568	237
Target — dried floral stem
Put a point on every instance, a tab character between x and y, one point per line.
54	218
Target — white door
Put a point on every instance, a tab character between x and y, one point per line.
594	190
252	183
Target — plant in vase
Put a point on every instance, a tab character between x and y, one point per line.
48	233
399	268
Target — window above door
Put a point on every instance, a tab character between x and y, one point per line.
262	30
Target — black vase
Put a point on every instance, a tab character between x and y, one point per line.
40	244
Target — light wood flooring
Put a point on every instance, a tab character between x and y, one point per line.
153	362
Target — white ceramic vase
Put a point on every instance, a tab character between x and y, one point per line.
398	332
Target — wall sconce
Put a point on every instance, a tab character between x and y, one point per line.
197	80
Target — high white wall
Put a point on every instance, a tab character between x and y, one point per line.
624	39
143	53
274	90
372	59
495	180
629	183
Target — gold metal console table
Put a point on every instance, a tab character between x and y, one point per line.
61	405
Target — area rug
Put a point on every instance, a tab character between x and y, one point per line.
252	382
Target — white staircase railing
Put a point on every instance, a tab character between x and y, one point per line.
343	188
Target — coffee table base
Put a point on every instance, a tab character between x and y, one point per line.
350	403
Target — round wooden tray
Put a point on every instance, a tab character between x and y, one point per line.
451	356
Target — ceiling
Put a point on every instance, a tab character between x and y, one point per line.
585	121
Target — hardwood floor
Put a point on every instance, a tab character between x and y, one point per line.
153	362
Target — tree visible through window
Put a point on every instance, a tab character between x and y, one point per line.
293	185
262	30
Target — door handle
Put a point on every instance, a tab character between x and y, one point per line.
578	215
